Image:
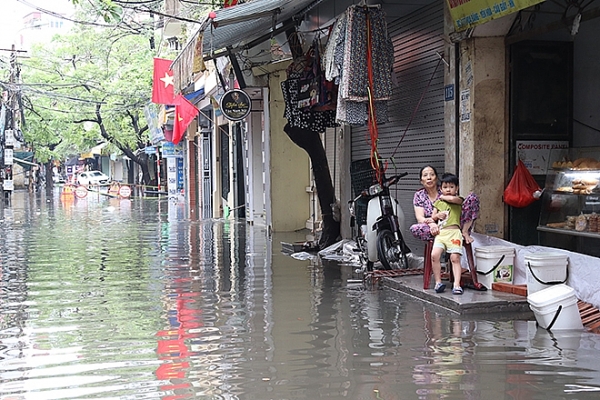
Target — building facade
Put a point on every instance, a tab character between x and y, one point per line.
472	102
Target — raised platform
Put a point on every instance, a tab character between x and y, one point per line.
470	302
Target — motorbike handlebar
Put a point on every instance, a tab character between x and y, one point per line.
392	181
387	183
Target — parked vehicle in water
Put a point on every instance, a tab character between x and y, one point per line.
92	178
379	237
58	178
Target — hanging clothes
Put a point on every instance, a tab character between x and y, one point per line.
330	67
316	121
309	99
362	42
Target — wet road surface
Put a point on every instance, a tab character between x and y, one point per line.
126	299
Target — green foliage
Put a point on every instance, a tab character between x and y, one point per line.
87	74
109	10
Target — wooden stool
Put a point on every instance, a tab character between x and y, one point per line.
472	270
427	270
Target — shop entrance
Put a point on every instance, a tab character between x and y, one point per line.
541	111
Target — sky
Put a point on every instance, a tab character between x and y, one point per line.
13	11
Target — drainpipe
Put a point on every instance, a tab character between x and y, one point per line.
457	107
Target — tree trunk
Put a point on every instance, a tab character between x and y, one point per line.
49	175
311	142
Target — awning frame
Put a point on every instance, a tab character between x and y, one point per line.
254	14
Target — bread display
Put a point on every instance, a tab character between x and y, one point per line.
572	208
580	223
583	163
583	185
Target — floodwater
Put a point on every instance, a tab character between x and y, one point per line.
124	299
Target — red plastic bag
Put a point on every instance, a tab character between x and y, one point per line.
522	188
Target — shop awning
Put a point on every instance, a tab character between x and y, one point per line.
94	151
98	149
195	97
24	158
237	28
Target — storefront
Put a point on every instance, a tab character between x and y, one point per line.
462	101
554	87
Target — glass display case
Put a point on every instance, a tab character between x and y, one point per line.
571	202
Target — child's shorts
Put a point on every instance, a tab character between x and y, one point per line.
450	240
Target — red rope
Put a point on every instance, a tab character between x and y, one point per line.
371	119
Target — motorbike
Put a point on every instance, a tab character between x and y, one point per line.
380	237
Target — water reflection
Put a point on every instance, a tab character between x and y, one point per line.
107	298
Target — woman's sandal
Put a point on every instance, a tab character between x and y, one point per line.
457	290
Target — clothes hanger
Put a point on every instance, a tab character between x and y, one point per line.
363	3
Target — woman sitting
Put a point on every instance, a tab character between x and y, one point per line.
426	228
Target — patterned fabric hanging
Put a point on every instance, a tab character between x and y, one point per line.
316	121
309	99
351	56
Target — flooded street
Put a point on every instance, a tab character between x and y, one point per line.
125	299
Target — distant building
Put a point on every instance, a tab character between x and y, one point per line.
40	27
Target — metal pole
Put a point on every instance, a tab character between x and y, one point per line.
9	113
9	135
158	171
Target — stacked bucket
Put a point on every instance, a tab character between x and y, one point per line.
551	300
494	264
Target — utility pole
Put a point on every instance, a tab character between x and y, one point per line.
10	126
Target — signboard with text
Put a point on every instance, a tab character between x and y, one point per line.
172	150
154	129
235	105
538	155
469	13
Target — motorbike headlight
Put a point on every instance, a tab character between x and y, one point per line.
375	189
387	203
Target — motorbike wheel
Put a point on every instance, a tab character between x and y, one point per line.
388	251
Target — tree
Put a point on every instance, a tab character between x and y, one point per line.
97	76
310	141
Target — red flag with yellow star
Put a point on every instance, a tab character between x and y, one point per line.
162	82
229	3
185	112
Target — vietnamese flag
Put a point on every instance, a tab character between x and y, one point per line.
229	3
185	112
162	82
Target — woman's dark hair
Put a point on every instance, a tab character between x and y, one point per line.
427	166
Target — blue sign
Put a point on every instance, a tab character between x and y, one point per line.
449	92
154	129
180	173
171	150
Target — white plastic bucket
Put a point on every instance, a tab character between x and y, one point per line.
555	308
546	269
494	264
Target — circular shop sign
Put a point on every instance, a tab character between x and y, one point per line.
81	191
235	105
125	191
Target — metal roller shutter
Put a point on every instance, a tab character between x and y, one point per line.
417	38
